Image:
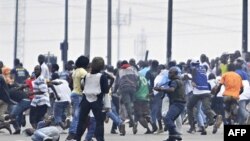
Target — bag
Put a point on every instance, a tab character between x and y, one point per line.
107	101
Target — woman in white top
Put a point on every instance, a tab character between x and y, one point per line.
95	86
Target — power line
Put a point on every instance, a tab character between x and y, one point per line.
206	15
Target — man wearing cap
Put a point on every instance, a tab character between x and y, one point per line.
201	92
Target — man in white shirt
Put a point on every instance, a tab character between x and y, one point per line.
61	103
45	70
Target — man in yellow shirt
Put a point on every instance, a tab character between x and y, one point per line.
79	73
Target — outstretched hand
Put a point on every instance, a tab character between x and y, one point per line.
158	89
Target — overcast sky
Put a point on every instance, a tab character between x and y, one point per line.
199	26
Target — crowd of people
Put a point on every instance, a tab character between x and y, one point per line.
160	97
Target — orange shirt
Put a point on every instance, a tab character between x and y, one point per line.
233	83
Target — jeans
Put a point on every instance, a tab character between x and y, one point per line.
127	99
200	116
156	106
243	113
3	109
17	111
115	110
75	101
59	111
174	111
114	115
91	129
50	132
206	103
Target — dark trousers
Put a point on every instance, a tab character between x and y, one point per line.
96	108
175	109
37	114
206	104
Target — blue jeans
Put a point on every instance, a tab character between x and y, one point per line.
75	101
243	113
175	109
156	105
200	116
115	117
49	132
59	111
17	111
114	110
91	129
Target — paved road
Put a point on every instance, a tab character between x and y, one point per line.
140	136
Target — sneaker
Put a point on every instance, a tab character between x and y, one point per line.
174	137
160	131
23	122
148	132
70	137
191	130
28	131
165	128
217	123
131	124
113	131
199	129
106	119
203	131
174	132
135	128
18	131
68	122
122	129
155	128
5	125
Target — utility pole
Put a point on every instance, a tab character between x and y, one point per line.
109	42
140	46
19	35
245	27
16	30
121	19
87	29
169	31
64	44
146	56
118	29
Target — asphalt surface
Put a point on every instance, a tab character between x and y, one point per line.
140	136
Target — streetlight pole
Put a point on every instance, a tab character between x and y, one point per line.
87	29
109	42
64	44
118	30
16	31
169	31
245	27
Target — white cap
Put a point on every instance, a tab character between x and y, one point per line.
194	61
